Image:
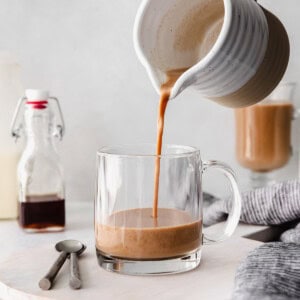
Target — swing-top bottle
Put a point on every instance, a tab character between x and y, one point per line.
40	176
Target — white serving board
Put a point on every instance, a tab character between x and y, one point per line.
31	255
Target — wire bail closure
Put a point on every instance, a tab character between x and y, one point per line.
17	121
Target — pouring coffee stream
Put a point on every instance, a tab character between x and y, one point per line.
165	92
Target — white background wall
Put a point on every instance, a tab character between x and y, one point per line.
82	51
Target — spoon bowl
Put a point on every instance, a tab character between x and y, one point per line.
70	246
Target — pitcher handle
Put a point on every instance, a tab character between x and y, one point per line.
234	214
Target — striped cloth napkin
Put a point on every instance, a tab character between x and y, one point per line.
271	205
272	271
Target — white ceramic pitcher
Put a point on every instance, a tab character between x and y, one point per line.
248	57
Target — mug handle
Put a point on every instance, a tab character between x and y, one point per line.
295	116
235	212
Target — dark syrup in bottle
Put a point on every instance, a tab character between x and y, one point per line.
42	212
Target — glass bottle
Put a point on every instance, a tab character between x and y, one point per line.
40	176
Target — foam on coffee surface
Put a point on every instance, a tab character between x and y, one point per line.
135	234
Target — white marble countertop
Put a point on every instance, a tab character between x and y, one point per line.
25	258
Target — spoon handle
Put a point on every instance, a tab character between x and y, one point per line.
75	281
47	281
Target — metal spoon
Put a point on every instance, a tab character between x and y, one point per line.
66	248
75	251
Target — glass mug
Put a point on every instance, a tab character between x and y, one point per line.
263	134
128	239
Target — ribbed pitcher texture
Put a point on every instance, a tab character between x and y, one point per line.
244	64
